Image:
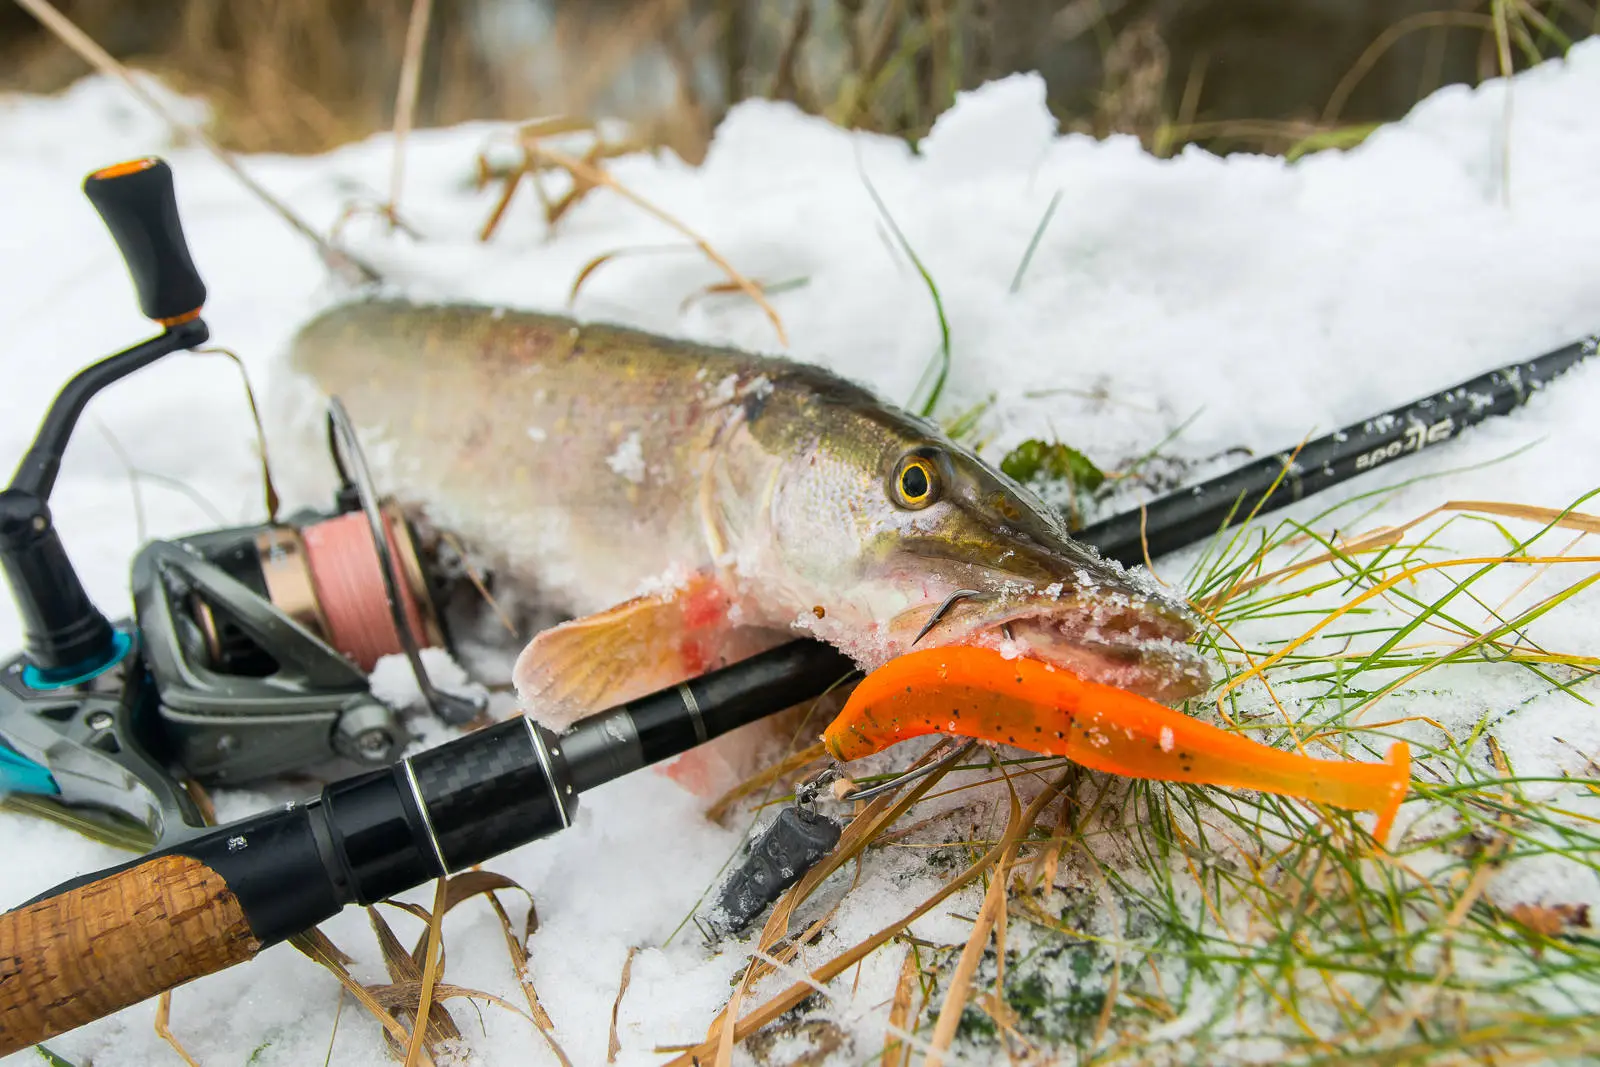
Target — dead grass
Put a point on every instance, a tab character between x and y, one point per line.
305	76
416	988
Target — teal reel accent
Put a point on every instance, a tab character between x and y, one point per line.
78	673
19	774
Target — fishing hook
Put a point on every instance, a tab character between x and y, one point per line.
910	776
940	611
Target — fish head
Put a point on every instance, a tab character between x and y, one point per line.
911	540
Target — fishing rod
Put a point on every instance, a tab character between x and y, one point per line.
108	940
1190	515
235	667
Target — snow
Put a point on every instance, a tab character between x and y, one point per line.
628	459
1269	301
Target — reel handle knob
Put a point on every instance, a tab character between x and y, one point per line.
137	203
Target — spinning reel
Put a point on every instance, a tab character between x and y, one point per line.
250	649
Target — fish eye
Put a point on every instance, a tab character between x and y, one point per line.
915	483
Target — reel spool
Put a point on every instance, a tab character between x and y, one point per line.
357	480
326	576
356	581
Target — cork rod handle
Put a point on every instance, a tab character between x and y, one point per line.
83	954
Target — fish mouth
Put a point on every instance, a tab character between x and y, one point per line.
1132	644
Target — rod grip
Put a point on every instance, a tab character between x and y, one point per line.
83	954
137	202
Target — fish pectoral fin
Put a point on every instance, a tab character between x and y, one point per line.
637	647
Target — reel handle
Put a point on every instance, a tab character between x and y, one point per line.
137	202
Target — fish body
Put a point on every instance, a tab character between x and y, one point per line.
689	505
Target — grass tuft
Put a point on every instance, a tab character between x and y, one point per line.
416	988
1151	922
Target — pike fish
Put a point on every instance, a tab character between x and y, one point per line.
687	505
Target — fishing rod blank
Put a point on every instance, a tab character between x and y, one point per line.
108	940
1190	515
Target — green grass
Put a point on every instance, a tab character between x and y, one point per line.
1033	242
931	388
1280	917
1197	925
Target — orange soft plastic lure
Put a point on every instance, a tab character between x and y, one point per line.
979	693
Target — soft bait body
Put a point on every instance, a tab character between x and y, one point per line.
979	693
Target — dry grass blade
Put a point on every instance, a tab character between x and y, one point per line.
994	902
791	764
323	951
202	800
554	211
729	288
317	945
1048	862
1386	40
163	1018
1571	520
468	884
553	126
406	98
411	970
1369	542
519	965
430	970
1388	536
478	583
767	957
868	823
895	1052
396	960
583	170
786	80
101	60
799	991
614	1046
401	995
405	969
498	212
1377	590
606	257
1502	41
1104	1022
270	490
526	167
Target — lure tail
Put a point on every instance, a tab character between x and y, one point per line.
978	693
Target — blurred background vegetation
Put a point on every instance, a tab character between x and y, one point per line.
1230	75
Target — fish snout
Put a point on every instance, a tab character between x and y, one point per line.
1137	643
1141	646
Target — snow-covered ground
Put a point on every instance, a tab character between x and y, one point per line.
1266	300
